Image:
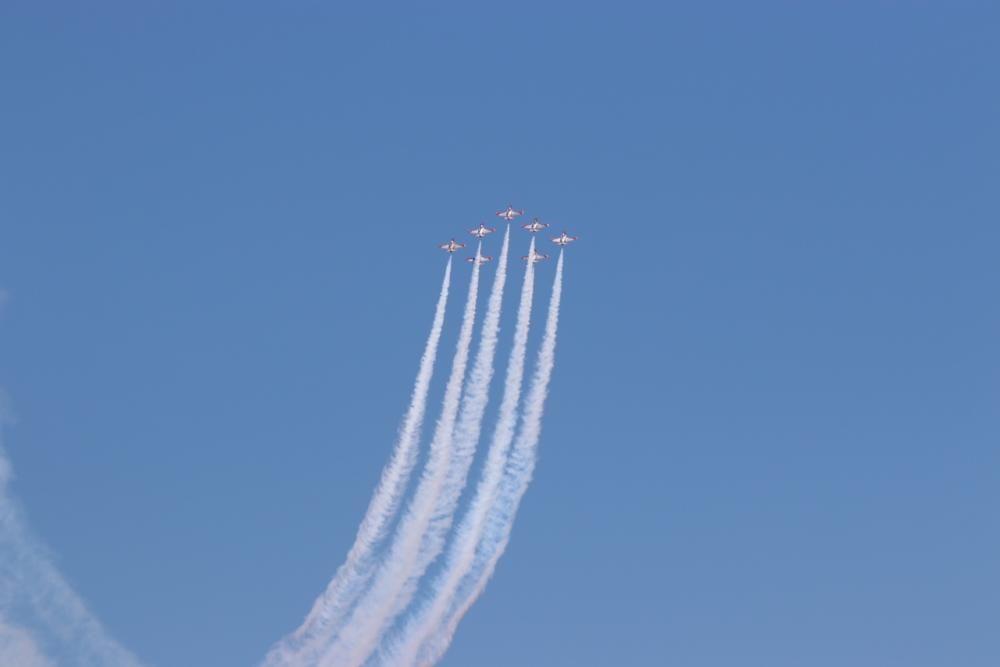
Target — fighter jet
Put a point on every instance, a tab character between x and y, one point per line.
481	231
482	259
534	226
451	246
509	213
563	240
535	257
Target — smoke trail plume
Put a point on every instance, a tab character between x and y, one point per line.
330	609
55	620
401	567
467	431
461	556
516	479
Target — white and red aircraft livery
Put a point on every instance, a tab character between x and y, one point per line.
535	257
481	231
451	246
563	240
534	226
509	213
482	259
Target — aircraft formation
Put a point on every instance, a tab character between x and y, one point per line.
508	214
386	605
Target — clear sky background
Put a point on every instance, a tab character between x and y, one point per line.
773	436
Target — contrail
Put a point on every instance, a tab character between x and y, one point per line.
461	557
399	568
30	586
466	435
330	609
516	478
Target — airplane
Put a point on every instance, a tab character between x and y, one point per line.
563	240
509	214
482	259
451	246
535	257
481	231
534	226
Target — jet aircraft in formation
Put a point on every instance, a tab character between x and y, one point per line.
534	257
508	214
534	226
563	240
481	231
451	246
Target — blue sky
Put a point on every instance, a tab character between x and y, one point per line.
773	426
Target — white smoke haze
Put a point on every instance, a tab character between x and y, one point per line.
404	564
517	477
7	413
39	611
54	616
461	554
19	649
331	608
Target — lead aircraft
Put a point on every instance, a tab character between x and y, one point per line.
509	213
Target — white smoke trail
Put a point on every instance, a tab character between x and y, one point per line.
330	609
517	476
359	636
461	555
467	431
31	587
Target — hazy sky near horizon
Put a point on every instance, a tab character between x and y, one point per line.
772	435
